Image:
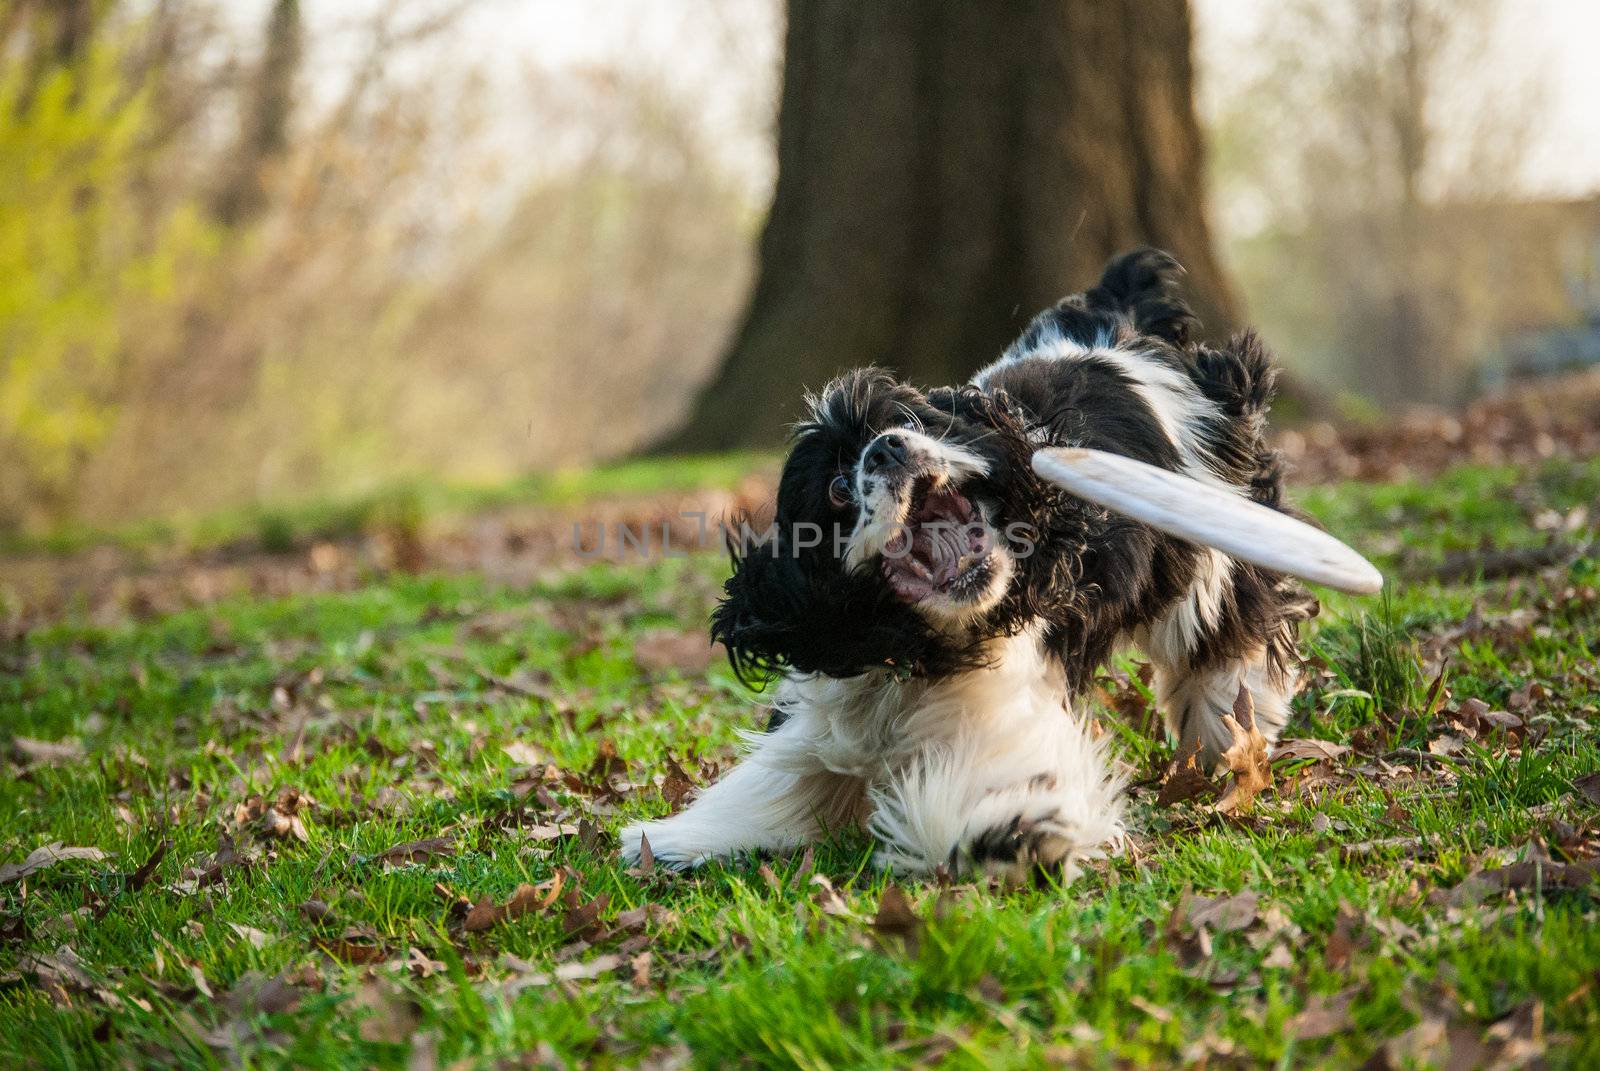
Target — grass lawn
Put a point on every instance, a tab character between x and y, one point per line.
307	822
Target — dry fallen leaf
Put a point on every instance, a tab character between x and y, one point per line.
1588	786
47	752
1247	757
390	1016
676	785
523	754
254	993
828	898
1341	943
256	938
1542	874
582	920
1323	1015
1184	781
47	856
355	945
1224	914
141	877
647	859
575	971
416	851
486	913
896	920
1294	750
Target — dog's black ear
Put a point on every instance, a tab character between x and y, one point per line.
748	621
803	612
1143	284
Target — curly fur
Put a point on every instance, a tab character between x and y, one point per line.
948	723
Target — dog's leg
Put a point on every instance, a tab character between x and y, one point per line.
1194	700
1018	796
775	799
1236	628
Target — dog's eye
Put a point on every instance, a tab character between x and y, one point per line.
839	492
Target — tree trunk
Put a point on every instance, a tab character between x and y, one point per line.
947	169
265	131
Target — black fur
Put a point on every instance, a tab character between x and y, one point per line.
1093	578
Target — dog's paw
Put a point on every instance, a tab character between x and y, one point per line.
1027	850
667	847
1033	839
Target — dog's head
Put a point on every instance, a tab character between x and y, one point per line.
900	540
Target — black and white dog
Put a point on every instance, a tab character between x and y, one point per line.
935	611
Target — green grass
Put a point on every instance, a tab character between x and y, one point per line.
382	705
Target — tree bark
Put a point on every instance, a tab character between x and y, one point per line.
265	131
947	169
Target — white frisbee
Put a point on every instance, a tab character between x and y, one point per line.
1208	514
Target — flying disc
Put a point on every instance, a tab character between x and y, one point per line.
1209	514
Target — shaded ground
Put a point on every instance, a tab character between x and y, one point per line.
513	536
367	818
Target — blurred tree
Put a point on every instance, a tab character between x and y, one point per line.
945	170
82	267
1353	150
264	134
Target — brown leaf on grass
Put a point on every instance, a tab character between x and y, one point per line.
357	944
256	938
770	876
422	965
647	859
1298	750
58	971
1224	914
34	753
1324	1015
607	763
213	868
1543	874
1184	781
1527	696
47	855
1188	943
416	851
486	913
576	971
141	877
315	911
896	920
1341	943
634	919
690	653
280	817
582	920
13	929
1247	757
523	754
676	786
253	993
387	1014
1588	787
828	898
640	969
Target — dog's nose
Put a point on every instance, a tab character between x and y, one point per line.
886	452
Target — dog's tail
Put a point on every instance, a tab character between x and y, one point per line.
1143	285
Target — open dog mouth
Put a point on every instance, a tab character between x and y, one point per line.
942	548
